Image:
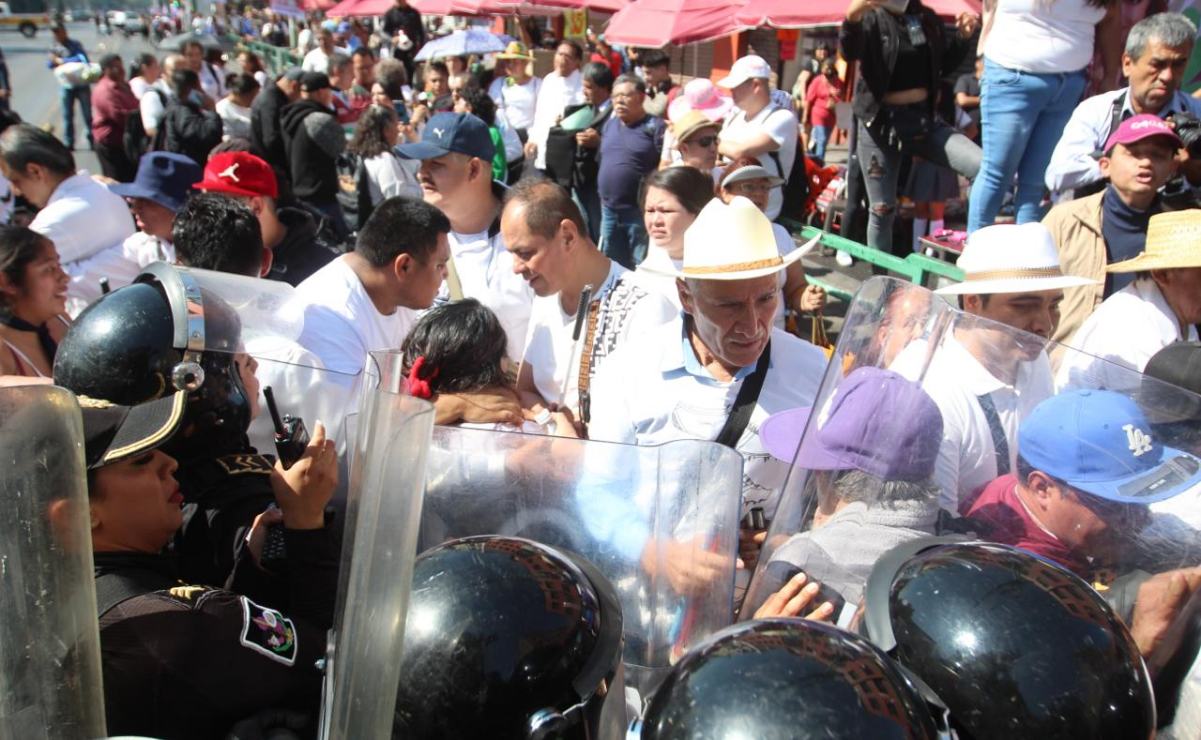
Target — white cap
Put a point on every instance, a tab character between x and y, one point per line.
747	68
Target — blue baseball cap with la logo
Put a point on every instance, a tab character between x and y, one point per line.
1100	442
451	132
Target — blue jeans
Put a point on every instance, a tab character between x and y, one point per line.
1022	116
820	135
67	96
623	235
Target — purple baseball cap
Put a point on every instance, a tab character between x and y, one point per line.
1137	128
878	422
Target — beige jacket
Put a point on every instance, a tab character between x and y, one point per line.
1076	228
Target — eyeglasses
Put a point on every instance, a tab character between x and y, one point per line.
750	187
704	141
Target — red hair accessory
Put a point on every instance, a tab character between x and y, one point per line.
415	385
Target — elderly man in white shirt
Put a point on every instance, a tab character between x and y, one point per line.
986	376
153	104
564	86
545	232
1157	51
456	153
696	376
86	222
1162	306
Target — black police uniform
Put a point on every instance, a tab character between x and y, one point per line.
184	661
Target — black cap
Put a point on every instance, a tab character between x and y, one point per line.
113	433
314	81
293	74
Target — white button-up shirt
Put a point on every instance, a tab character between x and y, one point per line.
557	92
88	225
651	392
955	379
624	309
1120	337
1072	163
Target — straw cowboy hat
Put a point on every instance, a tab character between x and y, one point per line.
1011	258
734	242
516	50
1173	242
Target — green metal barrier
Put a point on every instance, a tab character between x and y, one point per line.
276	58
917	268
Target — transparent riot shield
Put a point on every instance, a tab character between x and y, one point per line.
50	685
379	546
661	523
931	420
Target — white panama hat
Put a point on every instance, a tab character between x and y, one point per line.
1011	258
734	242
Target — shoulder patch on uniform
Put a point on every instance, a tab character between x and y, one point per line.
268	632
186	593
245	465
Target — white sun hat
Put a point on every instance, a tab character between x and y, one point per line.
1011	258
734	242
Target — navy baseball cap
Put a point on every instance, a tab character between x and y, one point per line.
451	132
1100	442
163	177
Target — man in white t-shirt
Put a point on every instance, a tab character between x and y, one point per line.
758	127
545	233
564	86
162	186
987	376
456	153
514	89
86	222
367	300
317	60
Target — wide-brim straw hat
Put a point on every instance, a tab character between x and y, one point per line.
1011	258
734	242
516	50
1173	242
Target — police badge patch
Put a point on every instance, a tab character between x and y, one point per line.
268	632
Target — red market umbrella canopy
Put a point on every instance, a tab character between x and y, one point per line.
798	14
656	23
601	6
359	8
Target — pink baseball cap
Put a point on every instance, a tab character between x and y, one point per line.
703	96
1137	128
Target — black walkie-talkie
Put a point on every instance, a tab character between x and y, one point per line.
291	437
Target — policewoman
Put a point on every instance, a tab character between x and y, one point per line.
183	660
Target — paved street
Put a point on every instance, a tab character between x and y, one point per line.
35	91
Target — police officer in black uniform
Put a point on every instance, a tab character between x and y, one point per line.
167	333
190	661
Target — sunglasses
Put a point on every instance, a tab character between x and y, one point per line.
704	141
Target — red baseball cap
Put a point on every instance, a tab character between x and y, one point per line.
239	173
1137	128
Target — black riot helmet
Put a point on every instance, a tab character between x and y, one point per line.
1012	644
508	638
161	334
786	678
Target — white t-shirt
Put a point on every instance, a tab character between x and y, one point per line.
316	61
341	324
781	125
88	225
1043	37
516	102
138	86
967	457
389	176
557	92
485	271
235	119
1118	340
212	80
646	395
624	308
142	249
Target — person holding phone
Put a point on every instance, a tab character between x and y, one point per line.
903	53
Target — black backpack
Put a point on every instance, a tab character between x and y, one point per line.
796	181
136	141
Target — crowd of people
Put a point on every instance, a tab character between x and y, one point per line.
596	260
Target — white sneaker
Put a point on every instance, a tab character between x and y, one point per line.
844	259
